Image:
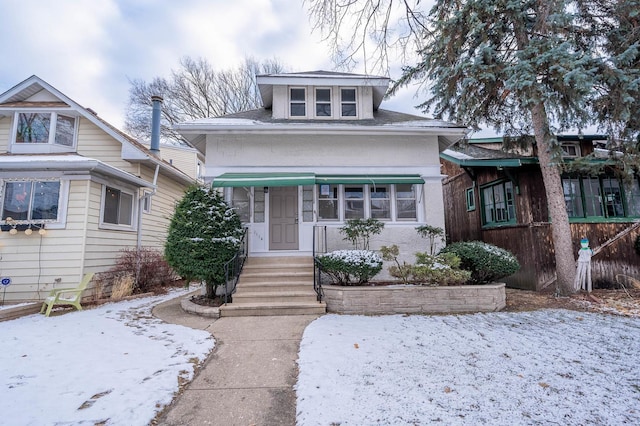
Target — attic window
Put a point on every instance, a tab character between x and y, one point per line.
348	102
298	102
570	149
323	102
38	129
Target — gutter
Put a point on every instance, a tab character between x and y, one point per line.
77	164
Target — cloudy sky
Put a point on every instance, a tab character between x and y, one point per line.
90	49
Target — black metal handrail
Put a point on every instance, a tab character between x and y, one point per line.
233	267
319	247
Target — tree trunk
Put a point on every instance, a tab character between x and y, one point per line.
560	229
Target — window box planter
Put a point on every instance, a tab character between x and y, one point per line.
414	299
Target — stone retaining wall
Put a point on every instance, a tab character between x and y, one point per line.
410	299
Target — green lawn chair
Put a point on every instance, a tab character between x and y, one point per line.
66	296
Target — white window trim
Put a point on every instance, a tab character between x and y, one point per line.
146	201
316	102
349	117
50	146
393	200
305	102
134	209
576	145
63	201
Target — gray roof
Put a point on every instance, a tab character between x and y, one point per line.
381	117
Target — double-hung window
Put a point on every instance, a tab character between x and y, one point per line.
354	202
406	201
328	202
297	102
498	204
348	102
380	201
118	207
323	102
30	201
43	129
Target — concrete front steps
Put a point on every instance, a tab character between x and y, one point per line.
275	286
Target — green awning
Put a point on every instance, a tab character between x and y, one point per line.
370	179
264	179
296	179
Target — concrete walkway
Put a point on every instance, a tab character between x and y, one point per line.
248	379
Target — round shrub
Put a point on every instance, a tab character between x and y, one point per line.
486	262
346	266
439	269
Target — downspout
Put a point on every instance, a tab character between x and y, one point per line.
141	200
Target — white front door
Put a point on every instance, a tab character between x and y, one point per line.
283	218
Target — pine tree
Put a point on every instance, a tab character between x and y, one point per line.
521	67
204	234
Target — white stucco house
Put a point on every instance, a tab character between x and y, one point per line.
319	152
74	191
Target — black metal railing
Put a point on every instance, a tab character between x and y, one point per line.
233	267
319	247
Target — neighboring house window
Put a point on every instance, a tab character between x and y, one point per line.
328	202
31	201
298	102
570	149
603	196
354	202
146	202
45	128
347	102
323	102
406	201
471	199
498	204
118	207
379	196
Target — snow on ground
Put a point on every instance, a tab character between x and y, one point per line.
543	367
115	363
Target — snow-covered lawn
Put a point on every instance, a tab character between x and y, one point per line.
545	367
115	363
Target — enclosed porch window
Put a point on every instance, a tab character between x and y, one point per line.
601	197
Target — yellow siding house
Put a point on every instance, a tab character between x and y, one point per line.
74	191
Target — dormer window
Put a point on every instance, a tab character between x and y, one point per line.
298	105
37	130
570	149
348	102
323	102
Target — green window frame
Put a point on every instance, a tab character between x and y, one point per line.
498	203
471	199
601	197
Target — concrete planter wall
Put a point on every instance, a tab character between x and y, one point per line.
410	299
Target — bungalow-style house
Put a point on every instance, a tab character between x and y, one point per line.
498	196
74	191
322	151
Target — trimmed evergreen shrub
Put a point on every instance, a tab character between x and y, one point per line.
360	231
204	234
439	269
486	262
347	266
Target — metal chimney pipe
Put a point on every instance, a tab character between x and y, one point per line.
155	125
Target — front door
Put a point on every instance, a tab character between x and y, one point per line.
283	218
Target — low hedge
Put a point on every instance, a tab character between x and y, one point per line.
486	262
